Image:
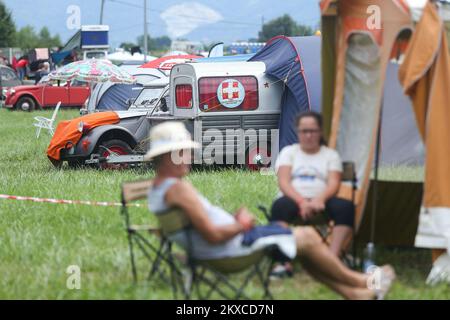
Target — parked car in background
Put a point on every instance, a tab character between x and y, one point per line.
8	78
46	94
126	136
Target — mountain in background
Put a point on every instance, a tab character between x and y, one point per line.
199	20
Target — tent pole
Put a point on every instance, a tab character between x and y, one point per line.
375	180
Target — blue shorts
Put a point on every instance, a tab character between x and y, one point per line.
263	231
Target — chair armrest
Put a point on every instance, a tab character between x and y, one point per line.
42	119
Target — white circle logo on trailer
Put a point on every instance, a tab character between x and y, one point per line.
231	93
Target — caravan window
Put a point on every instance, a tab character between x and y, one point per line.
148	97
228	94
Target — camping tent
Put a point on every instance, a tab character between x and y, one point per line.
110	96
293	60
356	62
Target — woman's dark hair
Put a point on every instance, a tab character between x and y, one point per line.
316	116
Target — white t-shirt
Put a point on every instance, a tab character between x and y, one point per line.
309	173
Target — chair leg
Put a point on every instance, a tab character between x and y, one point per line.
38	132
158	259
133	265
266	284
144	245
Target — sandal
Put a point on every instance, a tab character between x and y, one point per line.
381	280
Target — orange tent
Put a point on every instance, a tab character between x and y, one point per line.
358	38
425	76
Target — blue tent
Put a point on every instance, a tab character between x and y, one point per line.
116	97
296	61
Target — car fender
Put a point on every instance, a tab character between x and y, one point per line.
90	141
12	100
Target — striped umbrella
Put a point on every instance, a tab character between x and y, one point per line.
92	71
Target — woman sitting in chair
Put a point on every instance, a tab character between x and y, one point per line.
309	176
217	234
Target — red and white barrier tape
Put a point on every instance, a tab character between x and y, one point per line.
60	201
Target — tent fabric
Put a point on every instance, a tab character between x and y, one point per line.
57	57
392	226
328	62
425	75
67	131
350	42
116	97
401	144
293	60
362	83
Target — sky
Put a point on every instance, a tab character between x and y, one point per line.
199	20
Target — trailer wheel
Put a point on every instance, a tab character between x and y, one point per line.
257	157
117	147
26	104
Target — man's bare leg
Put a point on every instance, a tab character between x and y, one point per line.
348	292
311	248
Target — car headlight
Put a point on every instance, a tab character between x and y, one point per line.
83	127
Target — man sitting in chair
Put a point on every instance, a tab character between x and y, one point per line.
218	234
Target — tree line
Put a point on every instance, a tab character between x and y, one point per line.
25	38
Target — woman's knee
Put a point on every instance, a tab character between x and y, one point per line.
341	211
284	209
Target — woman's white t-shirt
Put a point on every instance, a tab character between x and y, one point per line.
309	173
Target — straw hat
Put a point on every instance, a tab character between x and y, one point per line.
167	137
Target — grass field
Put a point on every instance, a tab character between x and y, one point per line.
39	241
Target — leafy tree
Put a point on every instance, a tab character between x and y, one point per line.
26	38
46	40
283	25
155	44
163	42
7	27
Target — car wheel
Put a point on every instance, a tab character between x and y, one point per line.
257	157
117	147
26	104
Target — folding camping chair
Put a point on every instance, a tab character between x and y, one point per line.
214	274
45	123
144	236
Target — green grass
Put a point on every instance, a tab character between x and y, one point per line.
38	241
